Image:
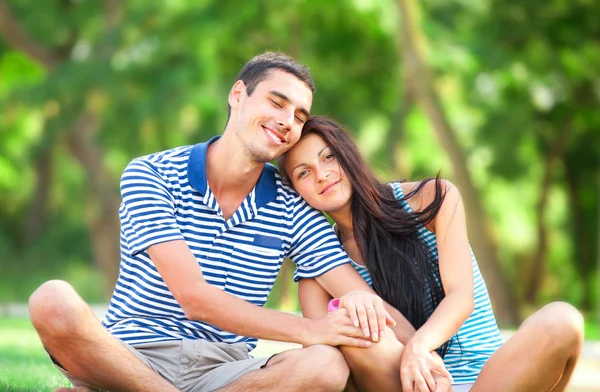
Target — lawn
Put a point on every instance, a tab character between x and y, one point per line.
24	364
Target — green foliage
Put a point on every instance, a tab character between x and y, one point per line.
513	79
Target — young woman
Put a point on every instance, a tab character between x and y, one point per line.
409	241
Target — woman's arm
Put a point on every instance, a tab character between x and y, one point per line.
313	298
456	272
455	265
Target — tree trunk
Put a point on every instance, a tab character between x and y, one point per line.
394	145
102	200
538	267
479	232
582	237
38	209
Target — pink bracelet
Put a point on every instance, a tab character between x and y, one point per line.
333	305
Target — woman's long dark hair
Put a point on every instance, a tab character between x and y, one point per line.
403	269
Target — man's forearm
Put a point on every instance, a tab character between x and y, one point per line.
240	317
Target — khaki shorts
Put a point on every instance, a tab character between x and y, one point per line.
191	365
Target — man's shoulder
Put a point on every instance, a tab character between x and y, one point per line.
284	191
173	156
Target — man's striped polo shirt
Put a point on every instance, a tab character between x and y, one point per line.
166	197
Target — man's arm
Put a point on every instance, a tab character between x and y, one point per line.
203	301
341	280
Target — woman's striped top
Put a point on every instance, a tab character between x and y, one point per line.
479	336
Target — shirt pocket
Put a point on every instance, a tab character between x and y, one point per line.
265	247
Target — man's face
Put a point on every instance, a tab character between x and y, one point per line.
269	122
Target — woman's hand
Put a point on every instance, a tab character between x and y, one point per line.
367	311
419	369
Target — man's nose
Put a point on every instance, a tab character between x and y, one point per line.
286	120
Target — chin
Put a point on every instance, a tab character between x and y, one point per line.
329	207
264	155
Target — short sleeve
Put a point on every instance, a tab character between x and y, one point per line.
315	248
147	209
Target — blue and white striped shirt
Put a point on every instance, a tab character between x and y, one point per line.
479	336
166	197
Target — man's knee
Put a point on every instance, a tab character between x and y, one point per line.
323	367
55	307
328	367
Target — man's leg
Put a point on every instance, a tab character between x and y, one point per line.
75	338
541	356
314	368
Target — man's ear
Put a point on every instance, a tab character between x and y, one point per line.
238	91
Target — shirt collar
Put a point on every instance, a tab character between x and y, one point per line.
266	186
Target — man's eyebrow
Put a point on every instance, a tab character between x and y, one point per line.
286	99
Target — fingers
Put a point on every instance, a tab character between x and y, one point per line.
382	318
352	313
429	380
366	311
355	342
443	384
420	383
406	380
373	322
389	320
363	319
441	369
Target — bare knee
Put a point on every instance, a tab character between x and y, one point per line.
380	357
564	320
325	367
560	325
55	308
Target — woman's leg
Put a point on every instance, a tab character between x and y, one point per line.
376	368
540	356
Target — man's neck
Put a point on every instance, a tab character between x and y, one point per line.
227	168
231	175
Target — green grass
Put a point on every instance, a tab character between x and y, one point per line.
25	366
592	330
24	363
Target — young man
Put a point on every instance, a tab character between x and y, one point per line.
204	230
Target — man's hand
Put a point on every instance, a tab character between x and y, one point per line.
367	311
334	329
419	367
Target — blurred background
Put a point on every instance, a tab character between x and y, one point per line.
502	97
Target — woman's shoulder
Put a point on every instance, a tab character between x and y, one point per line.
426	195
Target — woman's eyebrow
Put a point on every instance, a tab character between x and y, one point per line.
323	149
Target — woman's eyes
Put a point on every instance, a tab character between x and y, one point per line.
303	173
329	157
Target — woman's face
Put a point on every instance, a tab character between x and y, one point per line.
316	174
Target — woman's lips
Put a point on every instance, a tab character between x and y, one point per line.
328	187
